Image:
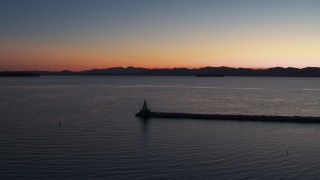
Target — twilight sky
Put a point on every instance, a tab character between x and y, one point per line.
86	34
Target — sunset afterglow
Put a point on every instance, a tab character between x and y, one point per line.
79	35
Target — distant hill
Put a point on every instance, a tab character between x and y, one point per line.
18	74
205	71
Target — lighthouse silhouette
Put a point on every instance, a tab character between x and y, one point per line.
145	108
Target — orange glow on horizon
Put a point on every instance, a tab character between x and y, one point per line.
259	52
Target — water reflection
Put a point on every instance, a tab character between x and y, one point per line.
145	123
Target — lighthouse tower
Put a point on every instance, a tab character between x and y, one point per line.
145	108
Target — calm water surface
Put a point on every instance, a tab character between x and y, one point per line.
100	138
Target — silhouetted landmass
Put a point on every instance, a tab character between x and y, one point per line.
210	75
18	74
205	71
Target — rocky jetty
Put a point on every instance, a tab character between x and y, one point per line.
146	113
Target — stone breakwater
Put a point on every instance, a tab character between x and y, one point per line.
262	118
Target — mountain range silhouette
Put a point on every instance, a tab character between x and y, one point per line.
204	71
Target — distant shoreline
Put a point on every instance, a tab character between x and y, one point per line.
18	74
199	72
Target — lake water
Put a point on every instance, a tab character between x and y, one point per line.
100	138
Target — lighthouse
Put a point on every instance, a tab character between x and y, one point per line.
145	108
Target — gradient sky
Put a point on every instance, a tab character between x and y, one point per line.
86	34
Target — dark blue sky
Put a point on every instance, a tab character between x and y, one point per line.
34	17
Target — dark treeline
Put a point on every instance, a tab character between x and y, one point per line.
224	71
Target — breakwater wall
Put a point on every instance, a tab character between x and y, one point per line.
262	118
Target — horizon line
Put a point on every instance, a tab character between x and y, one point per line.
178	67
